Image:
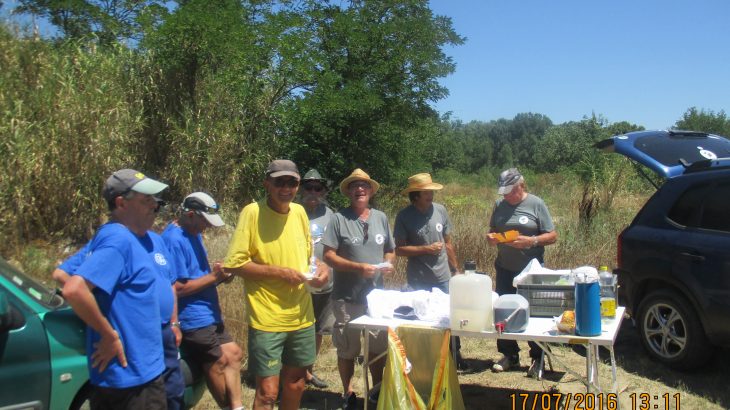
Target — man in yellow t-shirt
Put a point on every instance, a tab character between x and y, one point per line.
271	250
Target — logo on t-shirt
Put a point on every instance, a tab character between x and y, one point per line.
523	220
439	227
160	259
379	239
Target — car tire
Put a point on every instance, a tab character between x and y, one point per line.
82	401
671	331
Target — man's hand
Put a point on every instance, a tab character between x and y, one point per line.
220	275
290	276
178	335
522	242
321	277
491	239
367	270
434	248
107	348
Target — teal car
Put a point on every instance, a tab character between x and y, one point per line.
42	349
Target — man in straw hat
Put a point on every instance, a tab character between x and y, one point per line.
423	234
205	337
270	250
359	247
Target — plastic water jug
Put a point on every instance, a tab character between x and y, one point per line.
587	302
471	301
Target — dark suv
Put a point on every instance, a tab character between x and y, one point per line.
674	258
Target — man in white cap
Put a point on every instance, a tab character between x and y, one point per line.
205	338
526	213
116	291
270	250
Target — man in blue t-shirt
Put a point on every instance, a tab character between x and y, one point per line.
205	338
115	292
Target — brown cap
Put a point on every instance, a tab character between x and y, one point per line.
281	167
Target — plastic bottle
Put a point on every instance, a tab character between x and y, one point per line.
608	292
471	301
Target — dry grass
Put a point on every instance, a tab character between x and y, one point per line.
469	208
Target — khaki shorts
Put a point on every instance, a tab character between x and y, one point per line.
347	340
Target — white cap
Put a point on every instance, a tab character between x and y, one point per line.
205	205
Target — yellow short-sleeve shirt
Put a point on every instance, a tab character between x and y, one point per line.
267	237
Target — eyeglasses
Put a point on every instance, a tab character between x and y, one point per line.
359	184
365	227
313	187
286	182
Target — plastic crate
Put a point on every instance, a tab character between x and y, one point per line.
545	297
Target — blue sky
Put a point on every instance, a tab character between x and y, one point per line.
642	61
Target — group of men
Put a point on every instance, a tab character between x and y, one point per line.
142	294
299	262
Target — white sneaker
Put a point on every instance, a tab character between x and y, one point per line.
505	363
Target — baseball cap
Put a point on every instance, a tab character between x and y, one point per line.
125	180
204	205
281	167
507	180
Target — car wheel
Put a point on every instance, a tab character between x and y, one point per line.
82	399
671	332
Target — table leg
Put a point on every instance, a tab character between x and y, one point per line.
614	387
365	366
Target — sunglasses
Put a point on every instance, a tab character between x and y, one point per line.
286	182
313	187
365	227
359	184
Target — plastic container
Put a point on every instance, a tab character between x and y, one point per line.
471	301
548	295
513	311
587	302
608	292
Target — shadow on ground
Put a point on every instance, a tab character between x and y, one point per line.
478	397
709	381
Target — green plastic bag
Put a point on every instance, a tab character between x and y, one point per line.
419	367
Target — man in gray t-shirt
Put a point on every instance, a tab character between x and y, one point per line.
356	241
527	214
423	234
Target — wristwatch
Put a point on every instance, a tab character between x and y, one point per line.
534	241
175	324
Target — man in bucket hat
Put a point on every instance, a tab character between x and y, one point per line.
116	288
423	234
270	250
205	337
314	199
359	247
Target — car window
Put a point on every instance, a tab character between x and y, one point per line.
686	211
715	213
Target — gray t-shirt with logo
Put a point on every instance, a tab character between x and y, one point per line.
529	217
416	229
318	221
357	241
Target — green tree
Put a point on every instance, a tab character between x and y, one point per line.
375	71
108	20
705	121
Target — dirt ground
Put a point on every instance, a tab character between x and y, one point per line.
482	389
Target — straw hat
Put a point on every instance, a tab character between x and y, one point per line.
421	182
358	175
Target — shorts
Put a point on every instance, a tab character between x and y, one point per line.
150	395
346	339
203	345
322	304
269	351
